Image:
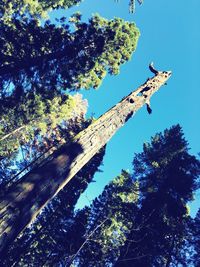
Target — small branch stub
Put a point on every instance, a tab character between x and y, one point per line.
152	69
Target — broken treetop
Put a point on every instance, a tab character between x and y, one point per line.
33	191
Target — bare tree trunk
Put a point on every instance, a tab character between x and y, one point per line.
31	193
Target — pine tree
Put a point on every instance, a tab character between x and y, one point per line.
158	226
109	219
51	58
168	177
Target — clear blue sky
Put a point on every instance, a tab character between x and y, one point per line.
170	37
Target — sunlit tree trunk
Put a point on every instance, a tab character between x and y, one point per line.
27	197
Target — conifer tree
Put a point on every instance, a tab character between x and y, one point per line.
50	58
158	226
31	96
41	239
30	143
168	176
109	220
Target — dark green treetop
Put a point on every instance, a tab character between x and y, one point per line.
168	177
109	221
49	57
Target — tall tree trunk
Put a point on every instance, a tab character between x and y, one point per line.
31	193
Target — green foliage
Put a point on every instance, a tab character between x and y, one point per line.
108	223
32	114
168	176
161	157
123	37
31	8
143	222
52	58
196	239
39	8
30	145
139	222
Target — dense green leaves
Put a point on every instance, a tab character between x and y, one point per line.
40	62
140	219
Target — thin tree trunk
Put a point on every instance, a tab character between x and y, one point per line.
31	193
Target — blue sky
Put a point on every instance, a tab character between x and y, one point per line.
170	37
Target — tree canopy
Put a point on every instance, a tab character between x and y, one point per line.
168	176
39	8
31	8
142	217
43	58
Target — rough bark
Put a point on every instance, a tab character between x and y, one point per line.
27	197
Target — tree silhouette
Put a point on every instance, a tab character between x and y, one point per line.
168	176
109	219
141	219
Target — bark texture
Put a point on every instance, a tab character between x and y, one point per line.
31	193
